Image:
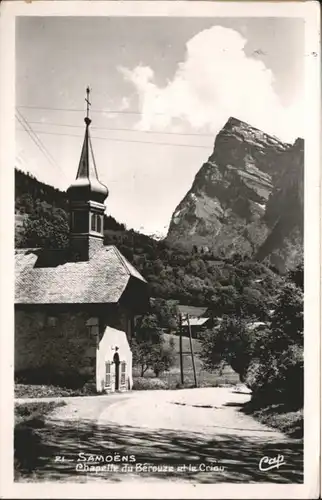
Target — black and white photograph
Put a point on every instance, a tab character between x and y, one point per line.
160	250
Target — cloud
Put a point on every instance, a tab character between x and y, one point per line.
216	80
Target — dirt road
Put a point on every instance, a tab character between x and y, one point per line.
191	435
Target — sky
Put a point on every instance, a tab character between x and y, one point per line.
161	89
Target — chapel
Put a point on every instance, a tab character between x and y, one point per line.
75	308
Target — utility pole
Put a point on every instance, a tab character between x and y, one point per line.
192	354
180	348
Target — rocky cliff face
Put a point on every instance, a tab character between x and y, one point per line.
246	199
284	215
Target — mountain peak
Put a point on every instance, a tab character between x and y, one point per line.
248	132
225	209
233	122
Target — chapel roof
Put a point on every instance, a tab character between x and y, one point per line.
49	277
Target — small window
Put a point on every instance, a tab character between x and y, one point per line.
51	321
93	321
92	325
93	225
99	224
96	223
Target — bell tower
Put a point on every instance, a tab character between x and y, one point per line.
86	200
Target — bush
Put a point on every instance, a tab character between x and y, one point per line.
53	391
276	371
230	343
279	416
28	448
36	410
89	389
48	375
146	384
278	378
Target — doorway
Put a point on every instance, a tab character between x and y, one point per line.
116	360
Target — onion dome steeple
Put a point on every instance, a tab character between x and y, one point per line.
87	185
86	196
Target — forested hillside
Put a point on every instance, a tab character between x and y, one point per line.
191	277
31	193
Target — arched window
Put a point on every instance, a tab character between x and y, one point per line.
116	358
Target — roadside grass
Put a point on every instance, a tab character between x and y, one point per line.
279	416
172	379
28	412
226	378
29	419
148	384
51	391
41	391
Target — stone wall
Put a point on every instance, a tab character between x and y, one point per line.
117	318
63	342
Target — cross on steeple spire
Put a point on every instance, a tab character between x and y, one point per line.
88	104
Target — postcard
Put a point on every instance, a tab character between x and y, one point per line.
160	249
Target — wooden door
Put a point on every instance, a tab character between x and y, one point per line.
108	376
123	375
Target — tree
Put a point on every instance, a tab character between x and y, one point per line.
276	370
297	275
287	319
149	348
166	312
164	359
147	342
25	203
229	343
46	227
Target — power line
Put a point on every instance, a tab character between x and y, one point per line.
32	134
78	110
22	120
122	129
32	137
126	140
